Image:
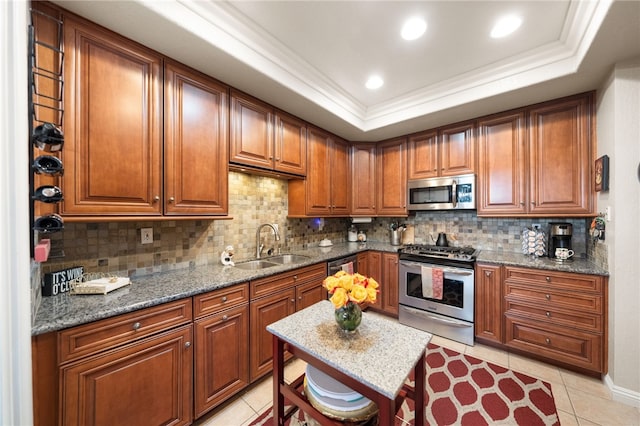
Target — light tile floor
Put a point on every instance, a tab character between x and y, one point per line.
580	400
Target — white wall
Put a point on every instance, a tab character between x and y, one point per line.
619	137
15	310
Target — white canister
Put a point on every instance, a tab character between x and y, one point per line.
352	234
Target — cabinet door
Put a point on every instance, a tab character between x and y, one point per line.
501	167
251	132
375	271
290	144
340	178
391	175
390	288
148	382
362	263
221	358
363	192
264	312
423	155
318	182
112	124
196	140
488	303
309	294
560	143
457	149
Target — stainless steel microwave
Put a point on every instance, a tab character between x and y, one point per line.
443	193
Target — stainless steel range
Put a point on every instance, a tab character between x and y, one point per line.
437	286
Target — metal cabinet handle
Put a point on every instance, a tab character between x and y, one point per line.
295	277
156	198
547	296
225	317
487	273
224	299
547	341
548	314
187	344
293	300
171	199
299	297
548	279
136	325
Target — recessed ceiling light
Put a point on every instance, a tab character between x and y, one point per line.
374	82
413	28
506	26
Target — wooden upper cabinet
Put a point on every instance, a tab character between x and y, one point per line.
423	155
391	178
251	131
457	149
447	151
112	124
290	144
363	184
265	138
326	189
561	151
196	135
502	169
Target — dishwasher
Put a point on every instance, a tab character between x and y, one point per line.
338	264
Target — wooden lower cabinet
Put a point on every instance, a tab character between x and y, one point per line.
559	317
274	298
221	355
488	303
147	382
383	267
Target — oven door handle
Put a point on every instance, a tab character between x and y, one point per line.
448	321
462	273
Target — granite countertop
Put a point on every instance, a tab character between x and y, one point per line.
576	265
65	310
381	353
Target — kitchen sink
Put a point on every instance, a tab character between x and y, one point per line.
256	264
285	259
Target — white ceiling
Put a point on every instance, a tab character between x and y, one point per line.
311	58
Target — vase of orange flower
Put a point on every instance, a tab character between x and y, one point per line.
348	292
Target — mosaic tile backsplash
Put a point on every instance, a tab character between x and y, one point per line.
253	200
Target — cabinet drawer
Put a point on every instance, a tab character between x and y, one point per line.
269	285
565	318
218	300
94	337
547	299
580	349
554	279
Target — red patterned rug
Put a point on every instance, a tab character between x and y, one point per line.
463	390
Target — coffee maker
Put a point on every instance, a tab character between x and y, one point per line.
559	237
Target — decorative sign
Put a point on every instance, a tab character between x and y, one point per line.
57	282
602	173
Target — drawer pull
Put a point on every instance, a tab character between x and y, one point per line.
293	300
224	299
225	317
548	279
548	314
547	296
487	273
136	325
299	297
295	277
548	341
187	344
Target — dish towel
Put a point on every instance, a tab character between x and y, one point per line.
432	282
347	267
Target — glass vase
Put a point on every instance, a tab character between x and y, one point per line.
348	317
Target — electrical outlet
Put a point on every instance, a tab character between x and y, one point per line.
535	225
146	235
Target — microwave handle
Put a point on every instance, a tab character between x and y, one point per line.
454	196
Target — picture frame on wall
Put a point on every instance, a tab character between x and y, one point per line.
602	174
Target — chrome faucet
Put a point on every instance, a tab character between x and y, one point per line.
259	246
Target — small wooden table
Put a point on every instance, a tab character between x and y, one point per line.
374	362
